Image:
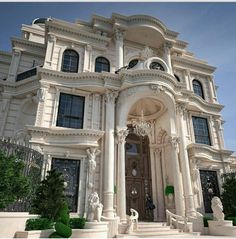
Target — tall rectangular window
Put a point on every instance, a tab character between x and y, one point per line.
70	111
201	131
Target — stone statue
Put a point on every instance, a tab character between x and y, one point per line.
94	208
92	153
132	221
217	208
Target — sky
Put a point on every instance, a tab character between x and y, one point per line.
209	28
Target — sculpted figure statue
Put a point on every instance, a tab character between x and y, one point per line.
94	208
92	153
217	208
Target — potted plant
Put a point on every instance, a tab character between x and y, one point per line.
169	192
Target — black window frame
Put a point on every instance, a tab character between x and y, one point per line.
201	130
68	67
70	117
101	63
198	89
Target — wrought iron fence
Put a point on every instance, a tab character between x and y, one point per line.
33	161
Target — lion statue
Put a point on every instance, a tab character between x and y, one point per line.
217	208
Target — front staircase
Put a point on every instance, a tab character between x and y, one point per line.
153	230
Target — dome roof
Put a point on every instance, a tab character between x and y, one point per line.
41	20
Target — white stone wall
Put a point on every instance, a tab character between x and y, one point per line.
5	61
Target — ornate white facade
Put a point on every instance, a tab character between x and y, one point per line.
32	83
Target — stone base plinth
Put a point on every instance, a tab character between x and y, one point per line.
221	228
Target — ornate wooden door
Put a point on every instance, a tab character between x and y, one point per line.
138	176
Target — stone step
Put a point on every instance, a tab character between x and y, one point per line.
179	235
146	229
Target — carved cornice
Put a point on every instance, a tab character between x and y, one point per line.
61	27
29	46
193	63
202	151
79	138
203	105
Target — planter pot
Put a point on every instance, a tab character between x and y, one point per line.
89	233
34	234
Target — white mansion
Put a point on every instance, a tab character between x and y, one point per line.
122	108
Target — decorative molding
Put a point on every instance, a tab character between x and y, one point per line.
73	138
110	96
174	141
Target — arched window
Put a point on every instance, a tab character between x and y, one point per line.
197	88
70	61
177	78
102	64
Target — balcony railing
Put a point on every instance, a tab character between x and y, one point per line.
26	74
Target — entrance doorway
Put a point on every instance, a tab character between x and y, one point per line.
70	170
138	176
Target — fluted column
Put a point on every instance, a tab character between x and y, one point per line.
179	202
184	161
15	61
119	49
4	110
167	56
121	193
109	161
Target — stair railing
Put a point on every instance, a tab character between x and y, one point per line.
179	222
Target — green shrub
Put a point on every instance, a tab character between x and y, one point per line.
63	230
77	223
38	224
206	219
233	219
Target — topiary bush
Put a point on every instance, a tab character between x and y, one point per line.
77	223
49	197
38	224
62	227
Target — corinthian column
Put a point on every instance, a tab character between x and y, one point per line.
188	191
121	193
108	180
119	49
179	202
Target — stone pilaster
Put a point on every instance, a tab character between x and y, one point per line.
87	57
109	161
184	161
179	202
167	55
41	97
49	52
5	104
119	48
121	193
15	61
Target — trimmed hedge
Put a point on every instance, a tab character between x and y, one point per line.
206	219
77	223
233	219
38	224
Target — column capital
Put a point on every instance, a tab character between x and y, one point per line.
168	45
181	107
174	141
52	38
119	35
16	52
121	134
110	96
88	48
